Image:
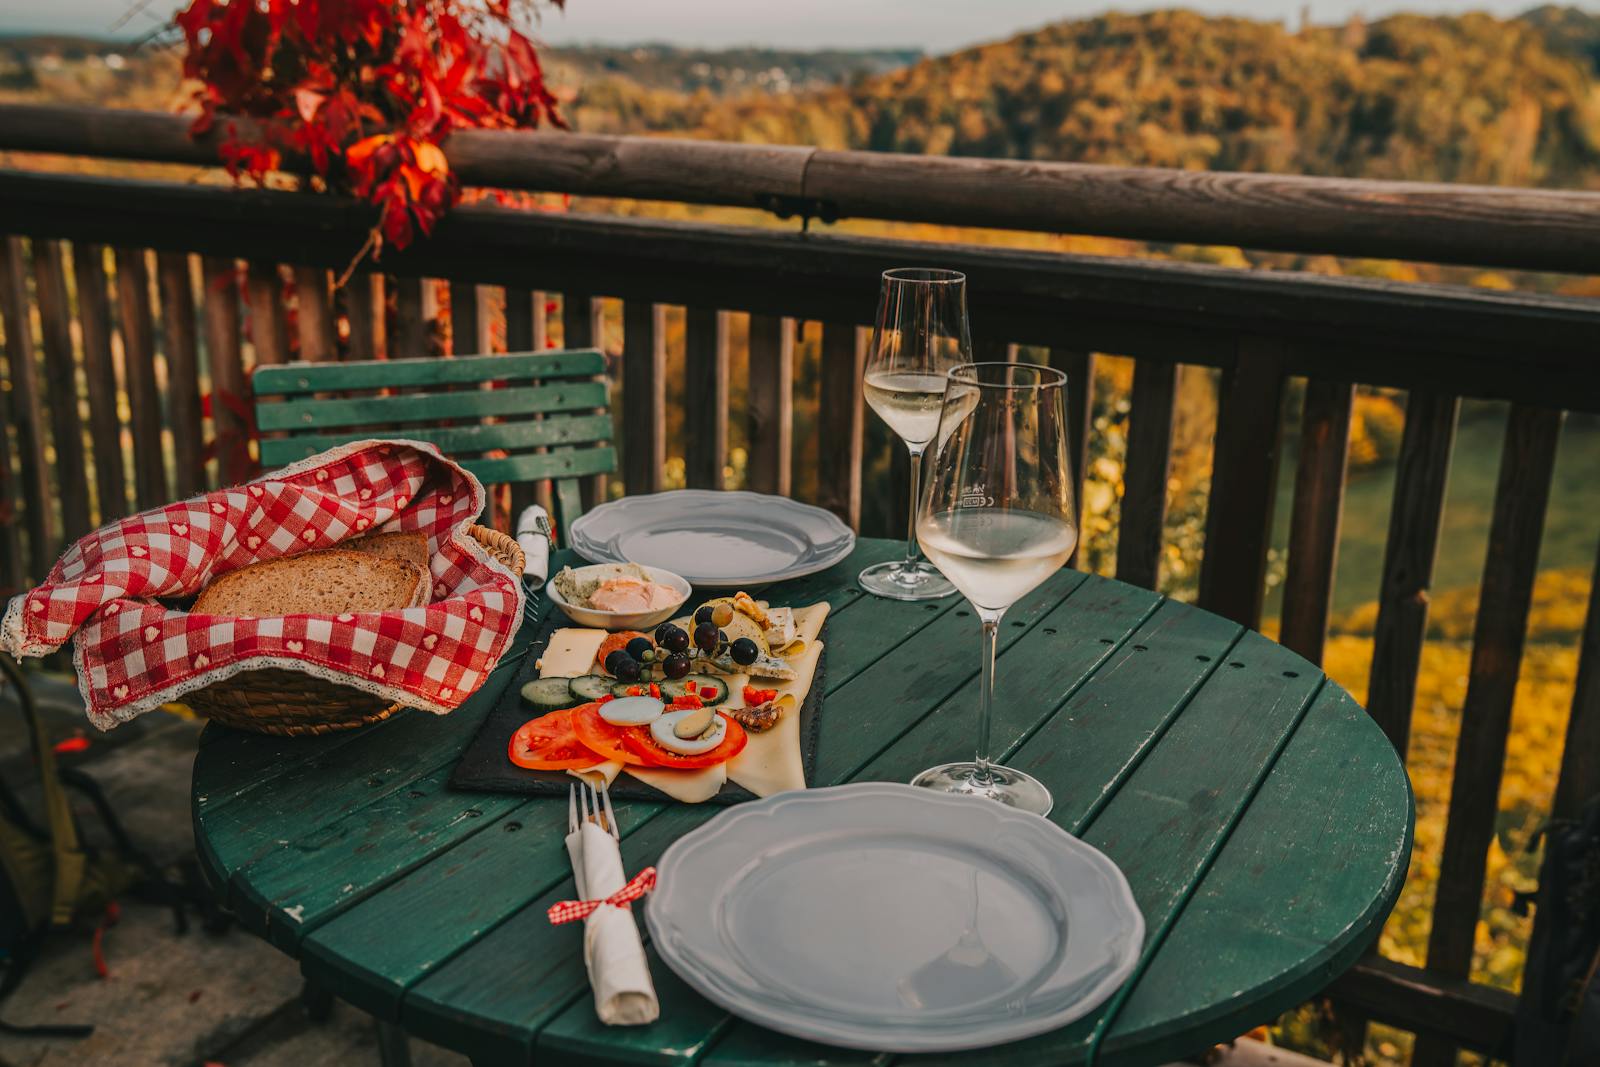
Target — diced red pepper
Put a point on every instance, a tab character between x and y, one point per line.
605	698
688	700
655	690
691	687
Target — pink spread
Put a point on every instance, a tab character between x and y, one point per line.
630	594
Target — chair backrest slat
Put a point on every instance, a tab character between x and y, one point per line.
559	464
456	440
513	418
429	407
397	373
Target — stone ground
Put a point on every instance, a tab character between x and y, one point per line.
199	999
185	1001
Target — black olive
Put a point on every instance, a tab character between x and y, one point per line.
744	651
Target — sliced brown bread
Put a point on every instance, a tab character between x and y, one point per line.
409	545
316	583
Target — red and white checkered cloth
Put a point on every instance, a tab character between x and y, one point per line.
134	654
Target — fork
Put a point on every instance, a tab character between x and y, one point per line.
597	809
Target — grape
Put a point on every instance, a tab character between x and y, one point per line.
614	658
703	615
672	638
722	614
638	647
705	637
744	651
676	665
627	668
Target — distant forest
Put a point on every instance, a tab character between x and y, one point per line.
1466	98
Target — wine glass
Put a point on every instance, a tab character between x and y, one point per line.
920	333
997	518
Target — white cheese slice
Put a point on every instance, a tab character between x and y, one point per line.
606	772
771	761
689	787
571	652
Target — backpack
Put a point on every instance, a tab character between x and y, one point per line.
1558	1014
48	879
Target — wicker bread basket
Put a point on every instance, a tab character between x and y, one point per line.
276	701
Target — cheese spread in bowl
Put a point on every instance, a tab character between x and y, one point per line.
618	596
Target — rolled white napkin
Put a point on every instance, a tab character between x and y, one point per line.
623	992
533	534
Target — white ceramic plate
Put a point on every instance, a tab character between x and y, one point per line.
886	917
715	539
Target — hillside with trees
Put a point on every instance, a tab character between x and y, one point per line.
1471	98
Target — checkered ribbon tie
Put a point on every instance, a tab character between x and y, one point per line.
567	911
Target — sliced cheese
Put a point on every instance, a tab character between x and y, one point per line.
771	761
571	652
808	621
601	772
689	787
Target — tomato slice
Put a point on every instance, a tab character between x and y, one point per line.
607	740
549	743
643	746
611	644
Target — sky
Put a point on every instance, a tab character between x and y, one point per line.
932	25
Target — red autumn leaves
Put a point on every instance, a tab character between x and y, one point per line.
365	90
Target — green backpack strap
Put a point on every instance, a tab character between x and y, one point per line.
70	860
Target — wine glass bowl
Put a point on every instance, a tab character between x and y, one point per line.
919	334
997	517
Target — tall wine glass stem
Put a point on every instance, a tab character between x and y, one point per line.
913	551
991	635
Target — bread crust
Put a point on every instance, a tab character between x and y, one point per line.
325	582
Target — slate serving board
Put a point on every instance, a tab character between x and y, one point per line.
485	767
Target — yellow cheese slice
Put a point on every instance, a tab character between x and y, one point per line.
771	761
601	772
571	653
809	619
689	787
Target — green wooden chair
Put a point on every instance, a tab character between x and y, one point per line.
556	401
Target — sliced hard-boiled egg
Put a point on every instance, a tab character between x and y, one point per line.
632	711
661	730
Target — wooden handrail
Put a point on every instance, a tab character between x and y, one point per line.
1533	229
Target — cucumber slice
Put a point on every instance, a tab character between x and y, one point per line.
710	689
549	694
589	687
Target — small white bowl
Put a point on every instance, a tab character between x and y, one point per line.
621	620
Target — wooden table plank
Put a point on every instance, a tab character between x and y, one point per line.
892	695
688	1026
1032	679
331	784
357	957
293	890
1282	914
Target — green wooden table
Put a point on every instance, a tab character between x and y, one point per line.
1262	819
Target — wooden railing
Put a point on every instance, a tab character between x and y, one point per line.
158	373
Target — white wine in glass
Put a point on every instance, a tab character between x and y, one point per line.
996	555
919	334
908	401
997	518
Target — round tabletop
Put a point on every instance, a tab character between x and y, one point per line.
1262	819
